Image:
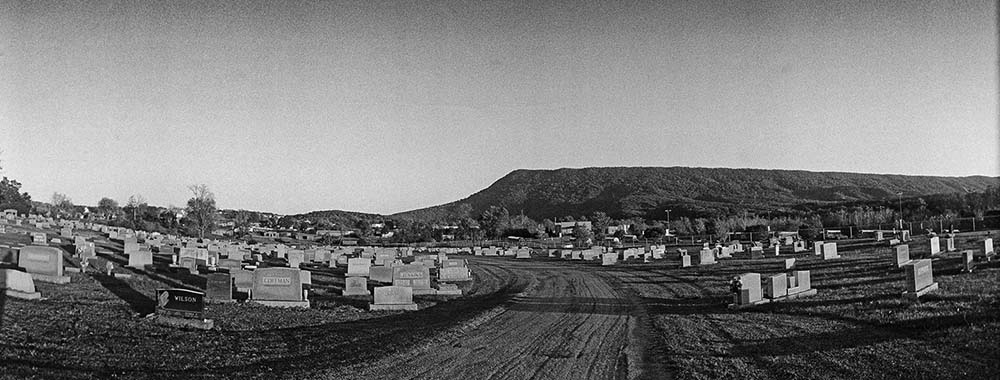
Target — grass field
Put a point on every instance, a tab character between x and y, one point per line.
857	326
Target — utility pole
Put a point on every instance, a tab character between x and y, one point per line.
899	197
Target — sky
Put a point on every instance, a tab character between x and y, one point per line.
390	106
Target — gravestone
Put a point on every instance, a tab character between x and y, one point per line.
461	273
789	263
988	247
576	255
776	286
950	244
182	308
707	256
358	267
38	238
967	257
750	290
43	263
830	251
356	286
685	261
609	258
919	278
219	287
445	289
140	259
17	284
281	287
935	245
242	279
416	277
295	258
799	282
902	255
380	273
799	246
189	263
393	298
756	253
87	249
818	247
230	264
130	246
306	278
523	253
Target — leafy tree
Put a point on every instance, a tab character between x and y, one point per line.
582	236
551	228
201	210
107	207
494	221
600	222
12	198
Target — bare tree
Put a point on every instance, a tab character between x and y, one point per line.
135	209
61	204
201	209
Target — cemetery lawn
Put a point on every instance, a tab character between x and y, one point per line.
541	318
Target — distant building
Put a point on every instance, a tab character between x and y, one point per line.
305	236
566	228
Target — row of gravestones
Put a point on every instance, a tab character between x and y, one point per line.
415	275
268	285
748	289
610	256
920	273
34	263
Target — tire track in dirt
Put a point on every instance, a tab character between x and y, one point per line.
568	323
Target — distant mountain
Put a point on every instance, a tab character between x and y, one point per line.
339	217
695	192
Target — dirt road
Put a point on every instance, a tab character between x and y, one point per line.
569	322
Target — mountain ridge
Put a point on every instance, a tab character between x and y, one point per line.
689	191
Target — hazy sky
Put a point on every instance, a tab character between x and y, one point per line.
386	107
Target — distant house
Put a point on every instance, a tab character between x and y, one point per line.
270	234
334	233
566	228
305	236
